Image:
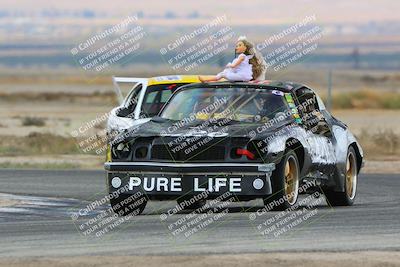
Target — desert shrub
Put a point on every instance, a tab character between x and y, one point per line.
33	121
381	143
38	143
365	99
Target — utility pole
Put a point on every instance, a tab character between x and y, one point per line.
356	58
329	101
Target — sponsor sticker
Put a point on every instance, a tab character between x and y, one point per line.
174	184
168	78
276	92
289	98
293	108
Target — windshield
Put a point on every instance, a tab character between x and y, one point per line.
239	104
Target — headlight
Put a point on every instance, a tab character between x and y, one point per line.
121	146
121	150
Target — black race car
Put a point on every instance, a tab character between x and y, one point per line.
269	140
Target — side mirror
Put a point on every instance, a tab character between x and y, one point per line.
123	112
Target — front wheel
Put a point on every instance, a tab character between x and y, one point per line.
285	183
347	197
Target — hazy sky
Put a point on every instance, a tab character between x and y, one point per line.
250	11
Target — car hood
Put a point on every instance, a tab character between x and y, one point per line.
174	129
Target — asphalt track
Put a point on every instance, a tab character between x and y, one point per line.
41	222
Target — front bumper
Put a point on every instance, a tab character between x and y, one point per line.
177	179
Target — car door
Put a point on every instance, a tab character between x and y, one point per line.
124	86
319	135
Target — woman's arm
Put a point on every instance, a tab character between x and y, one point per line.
240	59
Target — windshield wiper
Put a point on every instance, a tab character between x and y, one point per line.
195	123
225	121
160	119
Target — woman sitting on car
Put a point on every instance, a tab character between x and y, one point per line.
248	65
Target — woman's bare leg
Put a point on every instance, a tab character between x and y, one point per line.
212	79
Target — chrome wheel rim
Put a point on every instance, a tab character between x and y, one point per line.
351	176
291	180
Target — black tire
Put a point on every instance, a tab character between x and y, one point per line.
278	181
196	205
345	198
124	207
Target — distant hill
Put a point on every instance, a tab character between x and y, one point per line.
243	12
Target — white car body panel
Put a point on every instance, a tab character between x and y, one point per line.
116	123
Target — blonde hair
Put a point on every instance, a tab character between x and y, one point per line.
257	61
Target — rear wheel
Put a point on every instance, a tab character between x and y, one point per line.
125	205
285	183
347	197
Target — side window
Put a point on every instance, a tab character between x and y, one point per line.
307	100
165	96
154	101
151	97
129	104
158	97
308	107
310	104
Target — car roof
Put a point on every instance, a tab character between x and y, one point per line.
168	79
285	86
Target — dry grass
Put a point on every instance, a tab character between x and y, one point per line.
366	99
49	151
66	97
60	79
41	166
363	99
282	259
382	144
36	144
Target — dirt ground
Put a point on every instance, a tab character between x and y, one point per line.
370	120
7	202
309	259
